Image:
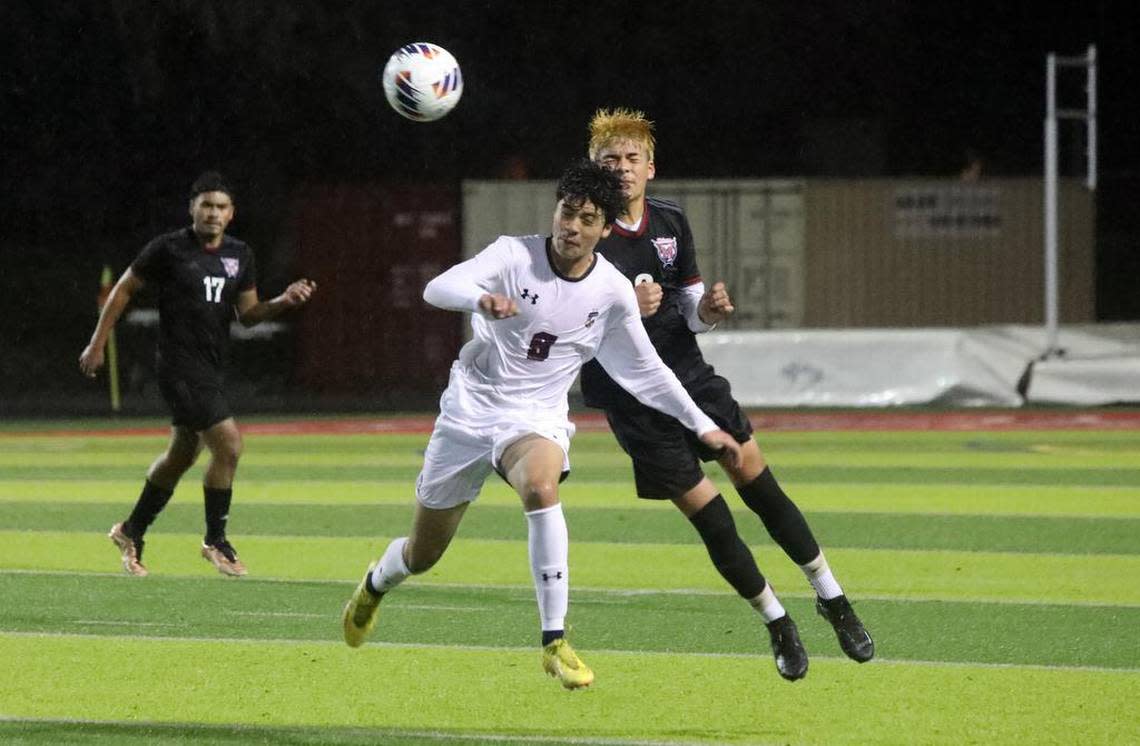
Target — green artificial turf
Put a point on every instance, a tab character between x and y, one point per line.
1069	535
999	573
937	574
1055	634
654	696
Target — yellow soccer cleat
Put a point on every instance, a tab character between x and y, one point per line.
359	615
560	661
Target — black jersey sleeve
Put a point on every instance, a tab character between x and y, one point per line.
247	280
687	254
150	265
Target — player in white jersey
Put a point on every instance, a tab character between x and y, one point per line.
541	307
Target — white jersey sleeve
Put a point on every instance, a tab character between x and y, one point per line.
628	356
461	287
690	301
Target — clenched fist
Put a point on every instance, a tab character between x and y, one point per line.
497	306
715	305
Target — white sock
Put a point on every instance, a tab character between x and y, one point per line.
821	579
390	571
768	605
548	545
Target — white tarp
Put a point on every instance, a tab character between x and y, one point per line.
1098	364
1087	381
983	366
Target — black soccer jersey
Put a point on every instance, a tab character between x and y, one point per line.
662	247
197	291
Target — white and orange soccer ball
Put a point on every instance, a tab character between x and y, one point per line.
422	81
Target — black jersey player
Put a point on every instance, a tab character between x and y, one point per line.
652	245
203	280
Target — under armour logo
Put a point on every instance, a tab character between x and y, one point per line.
533	298
555	576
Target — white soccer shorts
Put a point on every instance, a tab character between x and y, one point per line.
469	440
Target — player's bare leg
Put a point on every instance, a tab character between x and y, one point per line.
225	443
180	454
431	534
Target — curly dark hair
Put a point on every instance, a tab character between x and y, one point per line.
586	180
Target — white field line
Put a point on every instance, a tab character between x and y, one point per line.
286	641
431	607
289	614
124	623
443	736
616	592
310	615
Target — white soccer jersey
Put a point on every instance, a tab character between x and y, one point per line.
528	362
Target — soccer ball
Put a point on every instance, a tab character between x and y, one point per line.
422	81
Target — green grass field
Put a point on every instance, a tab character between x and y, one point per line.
998	571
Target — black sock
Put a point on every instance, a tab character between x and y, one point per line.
784	521
550	635
217	512
151	501
728	552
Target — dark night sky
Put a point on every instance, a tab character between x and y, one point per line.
109	108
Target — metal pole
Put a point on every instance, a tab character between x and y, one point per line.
1051	318
106	281
1090	179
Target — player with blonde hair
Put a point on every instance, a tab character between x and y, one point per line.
652	244
610	126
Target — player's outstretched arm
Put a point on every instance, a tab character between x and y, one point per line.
91	359
252	311
470	285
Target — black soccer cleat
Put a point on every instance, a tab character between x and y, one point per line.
850	632
791	658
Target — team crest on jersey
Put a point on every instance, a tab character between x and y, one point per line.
591	317
231	266
666	250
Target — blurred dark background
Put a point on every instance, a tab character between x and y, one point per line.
108	109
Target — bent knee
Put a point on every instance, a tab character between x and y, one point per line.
538	495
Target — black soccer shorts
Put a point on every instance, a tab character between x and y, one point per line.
195	405
666	455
